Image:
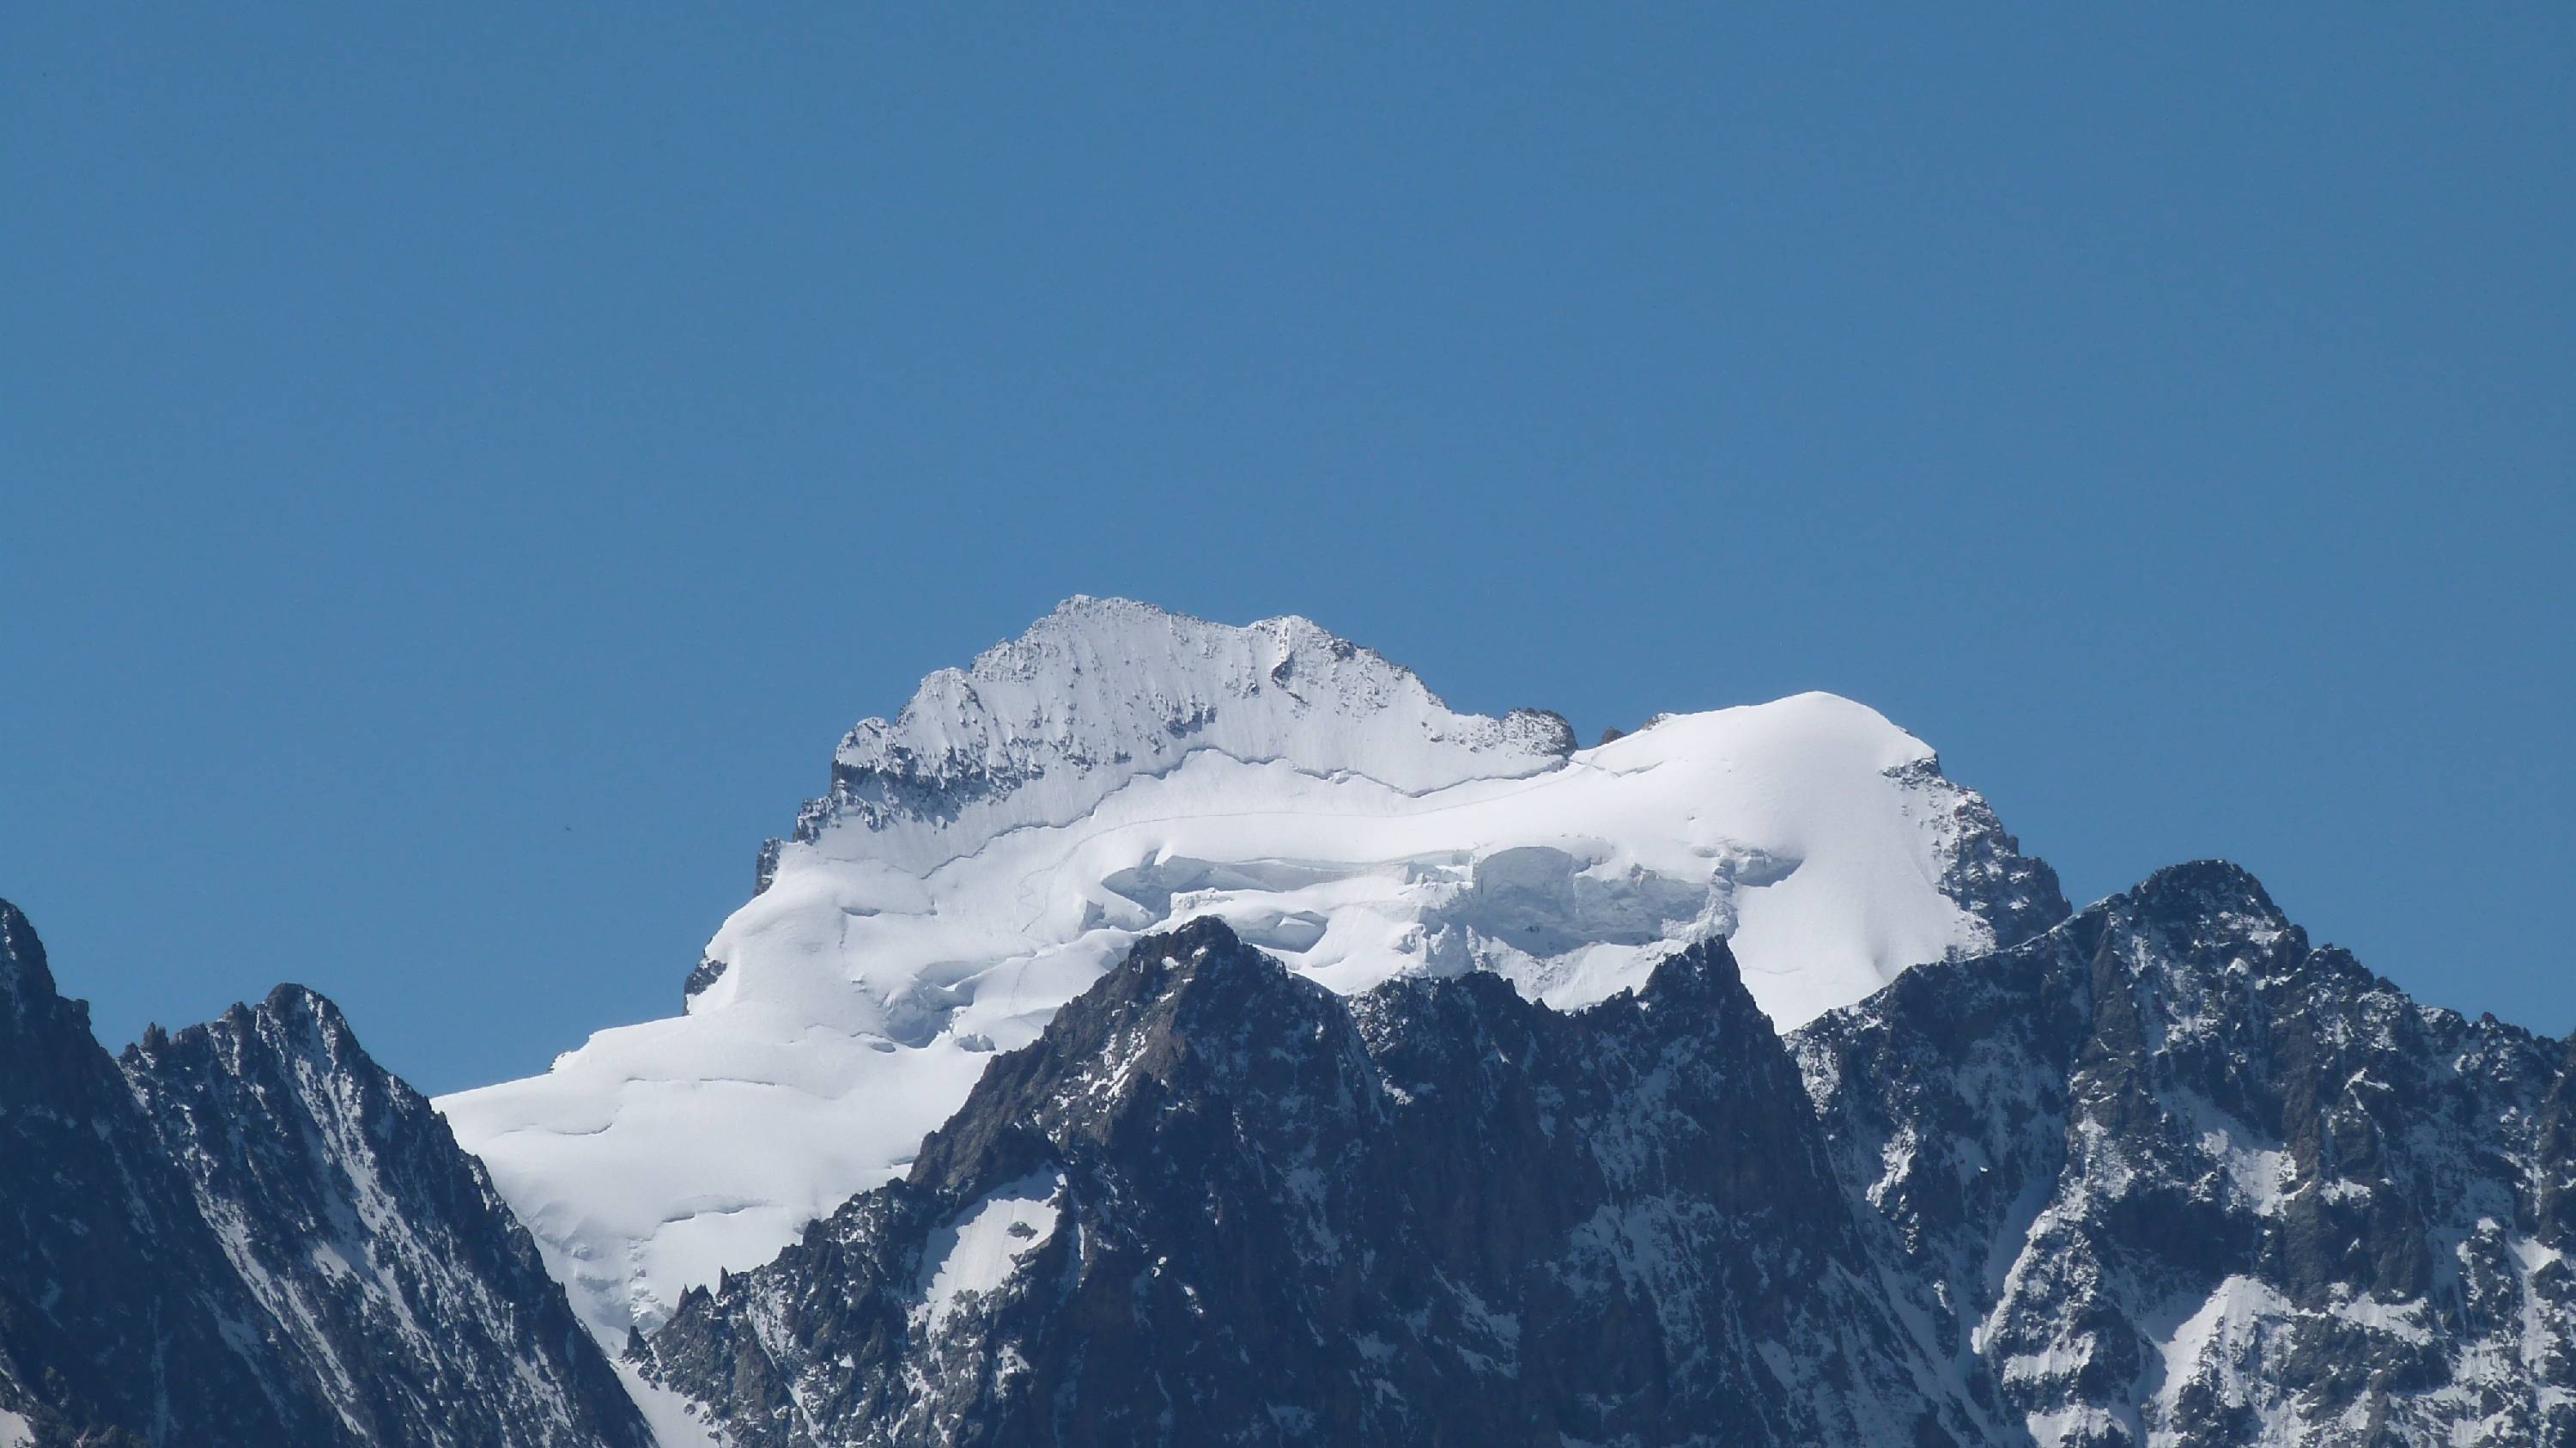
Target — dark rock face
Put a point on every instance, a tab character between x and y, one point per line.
1983	868
381	1250
2165	1174
2178	1177
254	1235
705	973
119	1318
1250	1211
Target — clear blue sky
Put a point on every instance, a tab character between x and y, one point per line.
462	467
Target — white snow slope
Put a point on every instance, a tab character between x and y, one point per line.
987	855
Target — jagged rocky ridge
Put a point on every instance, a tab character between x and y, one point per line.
1450	1122
2165	1174
250	1234
1104	690
1242	1209
2176	1176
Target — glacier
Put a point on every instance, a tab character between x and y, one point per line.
985	856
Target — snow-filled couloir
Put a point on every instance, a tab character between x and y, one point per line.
985	856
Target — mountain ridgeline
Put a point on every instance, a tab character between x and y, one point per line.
1436	1213
2164	1174
249	1233
1170	1033
1119	771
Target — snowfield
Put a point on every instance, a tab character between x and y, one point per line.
989	853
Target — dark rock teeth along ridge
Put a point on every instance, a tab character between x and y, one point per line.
2165	1174
249	1233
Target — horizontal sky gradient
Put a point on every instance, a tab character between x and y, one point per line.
462	467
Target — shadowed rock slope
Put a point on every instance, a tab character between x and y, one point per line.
252	1234
1234	1207
2166	1174
2178	1176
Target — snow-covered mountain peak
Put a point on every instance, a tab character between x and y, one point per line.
1119	770
1040	729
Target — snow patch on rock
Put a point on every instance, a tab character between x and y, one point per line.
981	1250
